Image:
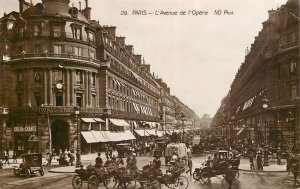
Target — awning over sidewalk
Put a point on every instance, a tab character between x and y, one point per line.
100	137
141	132
88	120
99	120
119	122
118	136
89	137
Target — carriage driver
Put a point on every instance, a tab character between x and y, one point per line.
98	160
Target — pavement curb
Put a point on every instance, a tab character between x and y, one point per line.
259	171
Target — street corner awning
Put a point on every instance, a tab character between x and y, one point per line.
141	133
89	137
119	122
99	120
240	131
151	132
88	120
129	135
160	133
100	137
118	136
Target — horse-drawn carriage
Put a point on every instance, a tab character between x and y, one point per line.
213	168
32	164
93	175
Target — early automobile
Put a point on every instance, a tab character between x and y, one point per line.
175	148
213	168
123	149
32	164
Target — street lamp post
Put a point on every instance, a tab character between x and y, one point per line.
266	152
78	152
182	119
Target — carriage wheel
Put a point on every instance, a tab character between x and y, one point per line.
196	175
236	175
42	172
16	173
170	185
204	176
93	182
27	173
76	182
182	183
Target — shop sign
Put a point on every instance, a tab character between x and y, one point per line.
25	129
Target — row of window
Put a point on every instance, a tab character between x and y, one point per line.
41	29
58	49
132	75
57	76
125	89
116	103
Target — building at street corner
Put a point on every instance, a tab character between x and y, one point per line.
263	104
67	82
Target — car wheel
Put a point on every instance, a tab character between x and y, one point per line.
27	173
204	176
42	172
196	175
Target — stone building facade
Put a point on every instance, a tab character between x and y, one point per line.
64	76
263	102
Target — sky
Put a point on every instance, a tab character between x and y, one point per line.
196	49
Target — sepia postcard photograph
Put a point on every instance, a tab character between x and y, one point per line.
149	94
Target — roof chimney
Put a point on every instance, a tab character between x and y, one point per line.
87	10
111	30
121	40
23	5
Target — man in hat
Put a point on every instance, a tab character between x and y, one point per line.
157	162
190	164
259	161
98	160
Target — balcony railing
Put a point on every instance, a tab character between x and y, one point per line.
52	55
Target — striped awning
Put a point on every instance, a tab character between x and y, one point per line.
89	137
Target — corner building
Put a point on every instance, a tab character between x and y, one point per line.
61	74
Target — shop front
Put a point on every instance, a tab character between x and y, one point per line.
25	139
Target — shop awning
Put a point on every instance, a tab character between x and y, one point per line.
118	136
151	132
129	135
160	133
141	132
100	137
240	131
88	120
99	120
89	137
119	122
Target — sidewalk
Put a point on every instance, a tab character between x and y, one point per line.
272	167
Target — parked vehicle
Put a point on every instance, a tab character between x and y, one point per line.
123	149
178	148
209	170
32	164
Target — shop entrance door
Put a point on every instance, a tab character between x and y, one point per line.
60	135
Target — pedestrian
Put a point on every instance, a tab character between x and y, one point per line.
259	161
229	176
6	157
110	151
48	158
251	160
15	158
190	164
98	160
279	154
71	158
